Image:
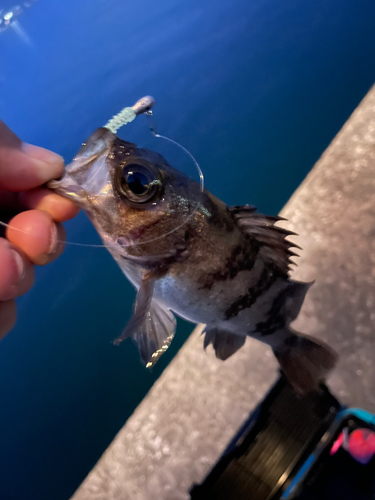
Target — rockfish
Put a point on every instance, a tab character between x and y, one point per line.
188	253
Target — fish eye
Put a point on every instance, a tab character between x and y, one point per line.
138	182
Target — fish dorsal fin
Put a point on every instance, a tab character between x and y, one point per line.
272	239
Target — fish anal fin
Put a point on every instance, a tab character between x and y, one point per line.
275	247
224	343
305	361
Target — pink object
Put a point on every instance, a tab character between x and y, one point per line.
336	445
362	445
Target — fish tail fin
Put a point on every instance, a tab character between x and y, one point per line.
305	361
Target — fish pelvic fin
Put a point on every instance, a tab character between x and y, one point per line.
305	361
152	326
224	343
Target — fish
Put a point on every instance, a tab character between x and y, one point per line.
189	254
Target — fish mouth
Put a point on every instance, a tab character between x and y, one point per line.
97	145
86	174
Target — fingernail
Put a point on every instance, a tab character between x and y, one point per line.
20	266
41	154
51	164
54	243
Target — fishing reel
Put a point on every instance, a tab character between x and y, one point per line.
294	448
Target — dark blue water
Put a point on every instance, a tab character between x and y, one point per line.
256	89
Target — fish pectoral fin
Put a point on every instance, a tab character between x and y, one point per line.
224	343
154	335
261	228
151	326
141	308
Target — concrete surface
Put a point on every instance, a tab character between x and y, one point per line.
182	426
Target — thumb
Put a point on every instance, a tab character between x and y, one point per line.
24	166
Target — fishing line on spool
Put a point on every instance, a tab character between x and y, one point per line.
126	115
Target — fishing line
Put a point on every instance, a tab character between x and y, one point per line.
4	224
200	173
149	115
127	115
143	106
201	180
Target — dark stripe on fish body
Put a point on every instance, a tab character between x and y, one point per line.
276	320
266	280
236	262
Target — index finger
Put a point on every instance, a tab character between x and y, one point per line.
24	166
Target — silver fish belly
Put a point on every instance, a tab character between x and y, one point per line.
188	253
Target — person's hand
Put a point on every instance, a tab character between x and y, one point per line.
34	234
